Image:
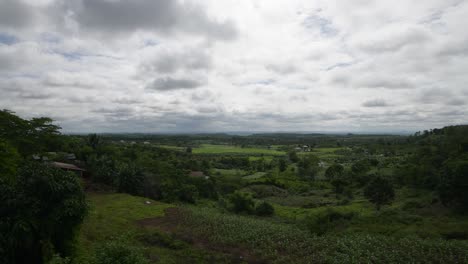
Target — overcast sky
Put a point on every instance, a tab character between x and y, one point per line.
230	65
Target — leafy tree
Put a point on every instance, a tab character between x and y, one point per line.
282	165
9	159
293	156
103	169
308	167
29	136
130	179
453	190
379	192
94	141
334	171
40	211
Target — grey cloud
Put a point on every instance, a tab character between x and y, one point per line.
15	14
375	103
433	95
457	101
172	62
165	16
390	42
126	101
35	95
168	84
282	68
384	82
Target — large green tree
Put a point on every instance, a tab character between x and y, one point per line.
40	211
29	136
379	192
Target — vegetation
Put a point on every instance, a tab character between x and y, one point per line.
263	198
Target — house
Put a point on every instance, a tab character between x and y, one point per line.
70	156
68	167
198	174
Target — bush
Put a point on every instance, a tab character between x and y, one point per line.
117	252
324	221
56	259
264	209
241	202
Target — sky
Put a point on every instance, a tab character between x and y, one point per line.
236	65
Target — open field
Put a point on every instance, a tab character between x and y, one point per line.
227	149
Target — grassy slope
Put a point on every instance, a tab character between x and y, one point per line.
112	215
116	215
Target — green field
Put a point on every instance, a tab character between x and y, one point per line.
114	217
228	149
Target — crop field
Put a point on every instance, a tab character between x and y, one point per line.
228	149
276	242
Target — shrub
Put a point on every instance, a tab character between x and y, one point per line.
264	209
324	221
241	202
162	240
118	252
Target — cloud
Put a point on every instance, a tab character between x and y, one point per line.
187	65
162	16
375	103
15	14
172	61
168	84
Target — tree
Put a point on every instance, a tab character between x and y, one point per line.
130	179
308	167
94	141
379	192
9	159
282	165
40	211
29	136
453	189
293	156
334	171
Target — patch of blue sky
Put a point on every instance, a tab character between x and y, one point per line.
8	39
324	25
339	65
50	37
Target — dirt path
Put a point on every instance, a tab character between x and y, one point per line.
171	223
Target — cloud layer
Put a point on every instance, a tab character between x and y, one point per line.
211	66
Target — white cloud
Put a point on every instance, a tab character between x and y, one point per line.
235	65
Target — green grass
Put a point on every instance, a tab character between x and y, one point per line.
114	215
228	149
172	147
254	176
265	158
111	215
